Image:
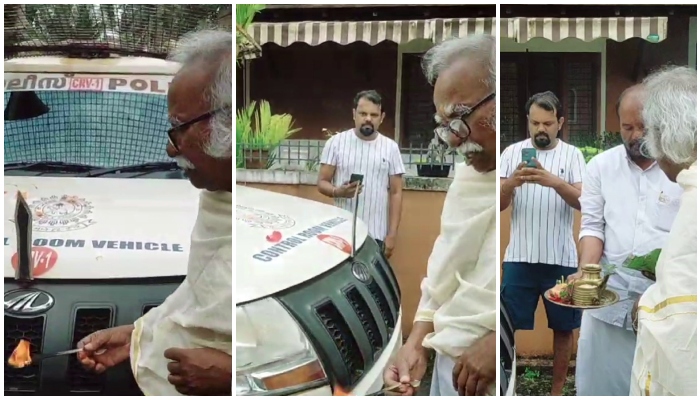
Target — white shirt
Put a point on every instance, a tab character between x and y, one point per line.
665	360
631	211
199	313
459	294
541	223
377	160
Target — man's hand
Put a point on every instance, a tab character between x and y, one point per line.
200	372
475	370
408	366
347	191
389	244
576	275
540	176
106	348
515	179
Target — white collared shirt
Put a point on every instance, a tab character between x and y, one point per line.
631	210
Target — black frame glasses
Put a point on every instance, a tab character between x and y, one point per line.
183	126
459	124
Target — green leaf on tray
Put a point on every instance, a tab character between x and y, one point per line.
645	263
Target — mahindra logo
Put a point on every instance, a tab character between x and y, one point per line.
27	301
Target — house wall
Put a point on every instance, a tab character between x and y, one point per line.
317	84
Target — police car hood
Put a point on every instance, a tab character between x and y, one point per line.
282	241
94	228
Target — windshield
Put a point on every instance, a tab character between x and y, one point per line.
96	129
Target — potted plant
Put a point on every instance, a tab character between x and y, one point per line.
261	133
436	167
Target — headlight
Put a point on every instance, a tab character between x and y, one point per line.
273	356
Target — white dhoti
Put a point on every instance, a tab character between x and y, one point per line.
604	359
441	384
666	360
199	313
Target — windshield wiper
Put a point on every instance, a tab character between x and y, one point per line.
145	167
47	166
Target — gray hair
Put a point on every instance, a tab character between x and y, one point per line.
479	48
215	47
670	115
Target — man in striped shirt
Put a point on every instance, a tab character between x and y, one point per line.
364	151
542	248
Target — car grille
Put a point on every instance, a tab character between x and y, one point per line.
349	322
63	326
87	321
23	380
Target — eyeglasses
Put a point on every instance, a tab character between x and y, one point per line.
183	126
458	126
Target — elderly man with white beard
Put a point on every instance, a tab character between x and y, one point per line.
184	346
456	316
665	359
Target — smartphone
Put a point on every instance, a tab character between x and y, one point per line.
356	178
528	155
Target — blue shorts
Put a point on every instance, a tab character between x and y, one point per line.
521	287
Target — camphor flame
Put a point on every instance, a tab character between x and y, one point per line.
339	391
20	356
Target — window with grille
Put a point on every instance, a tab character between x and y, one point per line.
417	108
573	77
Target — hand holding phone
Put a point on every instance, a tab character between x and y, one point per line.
528	156
356	178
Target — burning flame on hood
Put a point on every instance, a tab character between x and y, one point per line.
21	356
339	391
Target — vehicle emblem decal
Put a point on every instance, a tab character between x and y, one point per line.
337	242
361	272
62	214
274	237
256	218
43	259
27	301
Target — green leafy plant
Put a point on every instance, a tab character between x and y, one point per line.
646	263
591	146
260	132
531	374
245	13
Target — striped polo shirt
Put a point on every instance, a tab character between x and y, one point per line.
377	160
541	224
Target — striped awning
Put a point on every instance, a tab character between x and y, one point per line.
522	29
372	32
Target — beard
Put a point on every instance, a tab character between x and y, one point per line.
634	150
542	140
367	129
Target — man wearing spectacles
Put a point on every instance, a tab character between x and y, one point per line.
456	315
184	346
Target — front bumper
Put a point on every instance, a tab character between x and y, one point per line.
373	380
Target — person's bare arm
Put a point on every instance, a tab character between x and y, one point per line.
325	177
591	250
395	198
507	191
570	193
420	330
